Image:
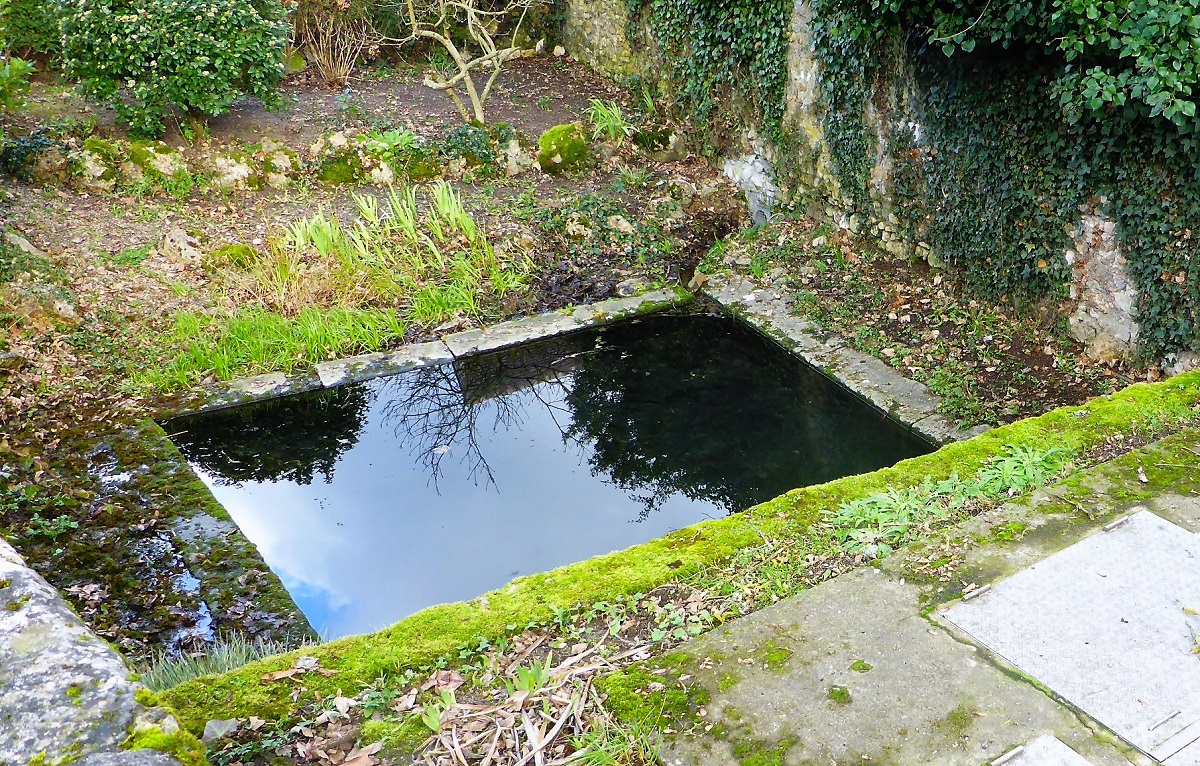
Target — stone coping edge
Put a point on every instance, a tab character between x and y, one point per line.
357	369
901	399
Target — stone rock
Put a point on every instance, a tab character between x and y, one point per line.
1185	362
51	167
24	245
153	157
128	758
99	164
234	171
560	51
564	147
10	361
516	160
631	286
64	693
674	151
620	223
214	731
1104	319
178	245
279	164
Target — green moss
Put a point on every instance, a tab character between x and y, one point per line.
437	632
840	695
957	722
773	656
5	583
17	604
146	698
398	737
640	696
861	666
759	755
238	256
183	746
1010	531
342	169
74	693
563	148
727	682
293	60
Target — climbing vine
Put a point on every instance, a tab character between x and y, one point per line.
717	49
1028	113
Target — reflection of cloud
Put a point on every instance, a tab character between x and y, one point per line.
279	519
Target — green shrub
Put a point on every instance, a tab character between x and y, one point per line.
148	57
31	27
14	82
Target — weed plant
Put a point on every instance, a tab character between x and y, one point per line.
878	524
609	122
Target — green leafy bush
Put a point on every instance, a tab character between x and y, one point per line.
14	82
31	27
151	56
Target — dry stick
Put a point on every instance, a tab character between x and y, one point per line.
549	737
458	748
491	753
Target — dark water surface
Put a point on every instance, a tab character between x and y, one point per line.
375	500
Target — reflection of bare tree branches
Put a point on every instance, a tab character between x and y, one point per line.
436	411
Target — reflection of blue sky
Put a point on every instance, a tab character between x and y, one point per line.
380	543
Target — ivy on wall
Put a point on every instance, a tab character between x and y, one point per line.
1030	111
717	48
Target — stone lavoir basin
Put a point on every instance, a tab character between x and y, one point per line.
374	500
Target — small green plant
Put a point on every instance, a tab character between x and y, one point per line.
677	624
609	122
431	714
51	529
131	256
632	178
14	82
876	525
544	103
348	104
530	679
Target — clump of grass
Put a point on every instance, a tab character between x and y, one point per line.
230	652
610	123
254	340
322	289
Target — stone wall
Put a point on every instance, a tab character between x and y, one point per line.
594	32
66	695
1104	317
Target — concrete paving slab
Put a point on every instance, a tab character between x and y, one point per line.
1046	750
1111	625
850	672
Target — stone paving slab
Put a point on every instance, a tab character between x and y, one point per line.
1111	625
900	397
850	672
1046	750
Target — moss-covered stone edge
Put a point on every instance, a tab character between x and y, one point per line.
434	633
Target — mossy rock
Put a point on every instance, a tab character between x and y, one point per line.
563	148
153	158
236	169
293	60
343	168
280	164
237	256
